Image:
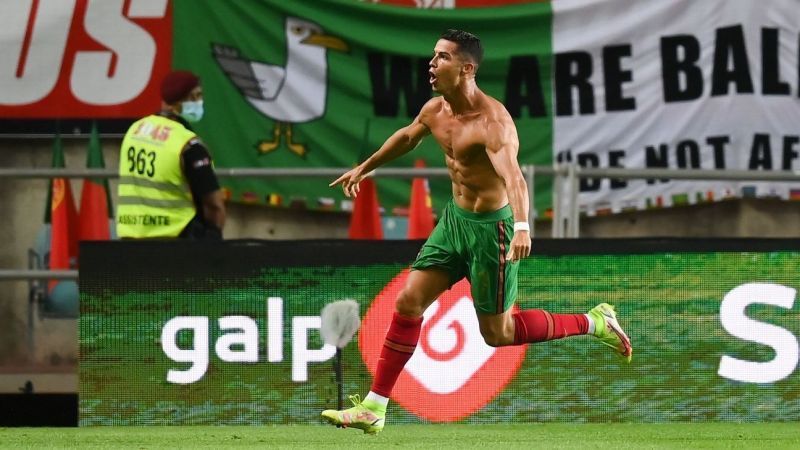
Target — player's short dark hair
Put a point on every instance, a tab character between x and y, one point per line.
468	43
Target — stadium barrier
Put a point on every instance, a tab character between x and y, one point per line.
566	176
175	333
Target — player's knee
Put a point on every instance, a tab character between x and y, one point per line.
408	304
494	338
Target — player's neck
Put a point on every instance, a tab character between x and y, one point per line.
464	98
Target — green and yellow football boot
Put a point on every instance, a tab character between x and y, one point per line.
608	330
364	415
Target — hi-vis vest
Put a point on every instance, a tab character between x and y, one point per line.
154	198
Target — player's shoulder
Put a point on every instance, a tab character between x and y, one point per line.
432	106
427	114
495	113
496	109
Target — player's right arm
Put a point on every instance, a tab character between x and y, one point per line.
399	143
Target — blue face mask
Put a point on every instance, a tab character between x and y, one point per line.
192	111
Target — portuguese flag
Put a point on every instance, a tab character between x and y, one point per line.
95	211
62	216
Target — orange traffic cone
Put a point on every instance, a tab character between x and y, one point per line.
420	213
365	222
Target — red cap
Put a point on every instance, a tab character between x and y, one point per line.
177	85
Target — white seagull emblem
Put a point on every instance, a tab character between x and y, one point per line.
291	94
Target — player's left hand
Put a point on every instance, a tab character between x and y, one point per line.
520	246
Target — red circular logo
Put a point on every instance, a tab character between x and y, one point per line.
453	373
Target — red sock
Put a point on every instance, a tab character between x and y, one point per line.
401	340
536	325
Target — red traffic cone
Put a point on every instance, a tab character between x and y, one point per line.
365	222
420	213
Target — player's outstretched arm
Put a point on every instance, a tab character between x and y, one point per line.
399	143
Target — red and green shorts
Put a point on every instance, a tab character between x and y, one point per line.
474	245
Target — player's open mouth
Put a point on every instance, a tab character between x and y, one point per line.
433	77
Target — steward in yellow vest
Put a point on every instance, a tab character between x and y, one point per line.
167	186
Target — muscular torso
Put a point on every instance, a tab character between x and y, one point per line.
476	185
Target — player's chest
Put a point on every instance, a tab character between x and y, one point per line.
457	137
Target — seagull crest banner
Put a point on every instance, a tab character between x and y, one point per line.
678	85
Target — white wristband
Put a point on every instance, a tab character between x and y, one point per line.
522	226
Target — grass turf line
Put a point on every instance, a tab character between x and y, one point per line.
550	436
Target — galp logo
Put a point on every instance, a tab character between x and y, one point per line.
453	373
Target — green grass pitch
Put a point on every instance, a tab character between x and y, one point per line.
545	436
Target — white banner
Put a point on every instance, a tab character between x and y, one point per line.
709	84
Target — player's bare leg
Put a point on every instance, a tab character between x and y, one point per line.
422	288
